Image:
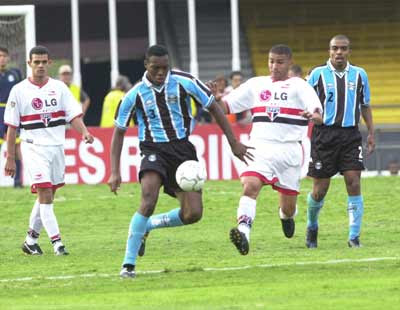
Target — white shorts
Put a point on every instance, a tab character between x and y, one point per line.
45	165
277	164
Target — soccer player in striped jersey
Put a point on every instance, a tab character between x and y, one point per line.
161	102
281	108
41	106
336	145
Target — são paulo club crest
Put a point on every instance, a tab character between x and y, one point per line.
37	103
273	112
45	117
265	95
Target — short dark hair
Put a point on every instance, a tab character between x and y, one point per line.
233	73
281	49
39	50
4	49
339	37
296	69
156	50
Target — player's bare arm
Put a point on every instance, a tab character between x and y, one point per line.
79	126
114	181
10	166
314	117
240	150
367	117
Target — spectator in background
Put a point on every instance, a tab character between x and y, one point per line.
65	75
296	71
8	78
244	117
112	99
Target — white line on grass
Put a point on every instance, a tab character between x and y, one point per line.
107	275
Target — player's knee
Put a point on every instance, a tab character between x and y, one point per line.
353	186
192	216
148	203
319	194
251	189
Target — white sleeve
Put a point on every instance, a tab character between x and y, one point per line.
240	99
12	113
309	97
72	107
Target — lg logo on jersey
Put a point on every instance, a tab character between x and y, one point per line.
38	104
266	95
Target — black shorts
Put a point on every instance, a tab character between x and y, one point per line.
335	149
165	158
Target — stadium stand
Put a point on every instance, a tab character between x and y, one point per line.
213	41
373	27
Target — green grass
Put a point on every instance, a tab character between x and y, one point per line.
281	273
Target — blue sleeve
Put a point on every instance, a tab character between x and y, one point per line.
366	96
313	78
197	89
125	109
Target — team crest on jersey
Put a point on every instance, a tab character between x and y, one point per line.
46	118
37	103
172	99
351	85
265	95
273	112
148	102
52	93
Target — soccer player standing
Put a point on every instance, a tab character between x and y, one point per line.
8	78
281	109
41	106
161	102
336	145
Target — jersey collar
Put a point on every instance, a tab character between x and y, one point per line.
338	73
151	85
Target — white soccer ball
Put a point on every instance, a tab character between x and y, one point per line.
191	176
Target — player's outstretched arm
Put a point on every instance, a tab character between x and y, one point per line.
10	166
240	150
114	181
367	117
79	126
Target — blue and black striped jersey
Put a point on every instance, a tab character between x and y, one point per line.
163	113
341	93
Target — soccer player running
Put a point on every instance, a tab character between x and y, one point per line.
336	145
282	108
161	101
8	78
41	106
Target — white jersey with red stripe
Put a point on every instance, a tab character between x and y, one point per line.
41	111
275	106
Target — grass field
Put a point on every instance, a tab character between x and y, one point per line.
196	267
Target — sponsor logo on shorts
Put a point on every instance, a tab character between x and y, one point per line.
37	103
152	157
318	165
265	95
38	176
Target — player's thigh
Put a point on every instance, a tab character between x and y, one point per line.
351	155
251	186
37	162
190	200
150	184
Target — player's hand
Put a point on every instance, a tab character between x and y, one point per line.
213	88
88	138
114	182
315	117
10	167
370	144
241	151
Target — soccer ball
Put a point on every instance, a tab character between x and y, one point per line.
191	176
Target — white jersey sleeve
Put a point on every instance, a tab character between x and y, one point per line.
309	97
12	111
241	98
72	107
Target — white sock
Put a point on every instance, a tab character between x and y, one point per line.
35	224
283	216
246	214
49	221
